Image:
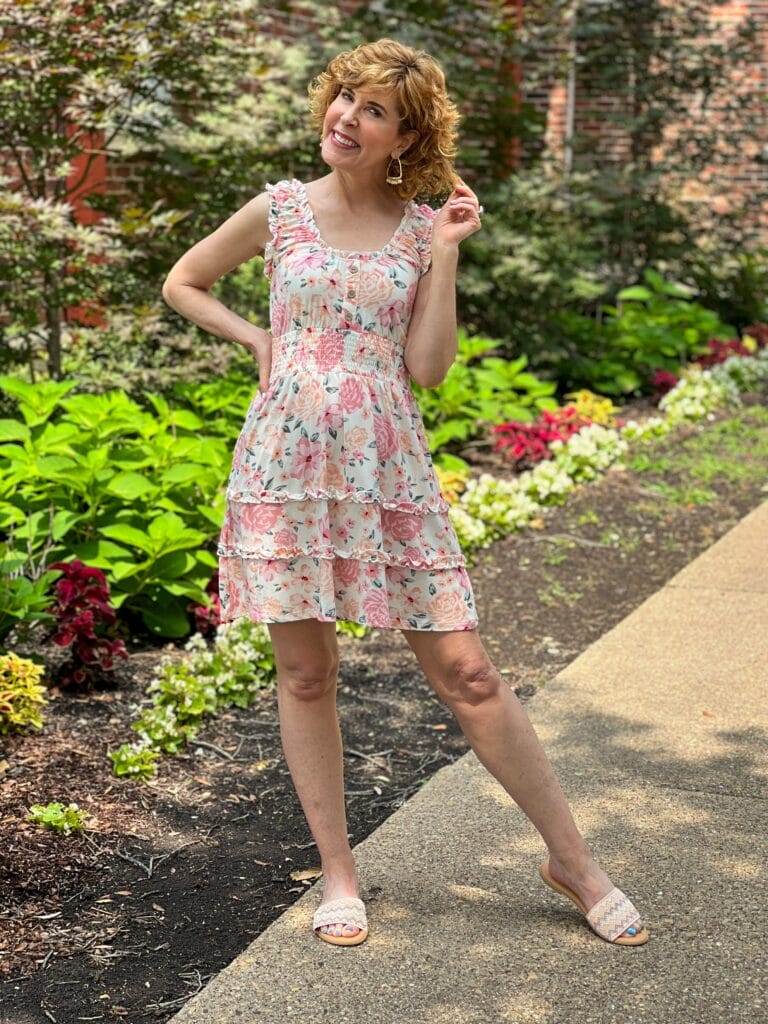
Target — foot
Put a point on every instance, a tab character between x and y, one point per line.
590	883
333	887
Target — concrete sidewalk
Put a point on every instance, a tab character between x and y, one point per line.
658	734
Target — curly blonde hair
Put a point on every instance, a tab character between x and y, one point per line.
418	83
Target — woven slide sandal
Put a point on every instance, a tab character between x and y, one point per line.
344	910
609	917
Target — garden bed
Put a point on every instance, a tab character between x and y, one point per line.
176	877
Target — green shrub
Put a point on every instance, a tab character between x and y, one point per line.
479	391
135	490
655	326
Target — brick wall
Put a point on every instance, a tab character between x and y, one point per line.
741	170
747	170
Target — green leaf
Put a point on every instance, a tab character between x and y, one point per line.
129	535
635	292
14	430
130	486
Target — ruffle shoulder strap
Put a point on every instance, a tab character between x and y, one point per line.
285	218
425	214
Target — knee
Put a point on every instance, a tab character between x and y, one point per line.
309	677
473	680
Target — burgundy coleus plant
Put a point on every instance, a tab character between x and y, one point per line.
661	382
207	619
83	615
720	350
758	331
525	444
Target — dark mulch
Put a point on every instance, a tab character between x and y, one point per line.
175	878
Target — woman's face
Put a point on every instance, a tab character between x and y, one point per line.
369	118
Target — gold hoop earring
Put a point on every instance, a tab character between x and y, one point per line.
399	178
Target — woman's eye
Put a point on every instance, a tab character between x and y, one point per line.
348	95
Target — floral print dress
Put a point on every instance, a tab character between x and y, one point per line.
333	508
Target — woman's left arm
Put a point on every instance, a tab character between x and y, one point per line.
431	342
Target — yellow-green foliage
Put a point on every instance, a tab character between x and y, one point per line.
452	483
58	817
596	407
21	693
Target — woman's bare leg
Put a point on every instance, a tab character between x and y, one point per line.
505	742
307	661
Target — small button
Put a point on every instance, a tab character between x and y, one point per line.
351	293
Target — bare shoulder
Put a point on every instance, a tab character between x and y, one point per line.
237	240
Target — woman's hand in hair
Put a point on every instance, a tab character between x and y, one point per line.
458	218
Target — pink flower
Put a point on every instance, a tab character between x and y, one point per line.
273	567
386	436
398	574
332	416
307	459
285	538
401	525
346	569
351	394
280	318
413	555
392	315
260	517
447	610
377	608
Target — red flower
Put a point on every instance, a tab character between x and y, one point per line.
528	443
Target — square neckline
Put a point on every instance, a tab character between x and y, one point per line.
310	217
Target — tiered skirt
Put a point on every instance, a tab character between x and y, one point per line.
333	508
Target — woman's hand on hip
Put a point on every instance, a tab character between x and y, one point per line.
259	344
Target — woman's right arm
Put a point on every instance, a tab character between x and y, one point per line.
185	289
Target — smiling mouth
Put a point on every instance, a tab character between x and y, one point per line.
342	141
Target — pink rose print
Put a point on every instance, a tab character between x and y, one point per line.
285	538
329	351
400	525
447	610
386	436
351	394
260	517
376	608
413	556
307	459
346	569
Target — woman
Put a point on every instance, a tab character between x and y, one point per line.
333	505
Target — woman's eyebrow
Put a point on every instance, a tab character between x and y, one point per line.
375	104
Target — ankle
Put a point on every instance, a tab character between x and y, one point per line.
340	871
574	860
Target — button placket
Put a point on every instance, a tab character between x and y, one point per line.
353	277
